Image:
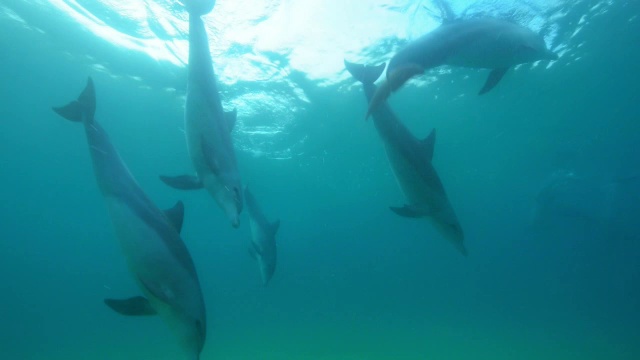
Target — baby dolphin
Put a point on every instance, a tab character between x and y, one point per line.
485	43
263	238
410	159
150	238
208	127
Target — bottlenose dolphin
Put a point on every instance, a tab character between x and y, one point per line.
208	127
475	43
263	238
410	159
150	238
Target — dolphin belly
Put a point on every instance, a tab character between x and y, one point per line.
173	290
156	268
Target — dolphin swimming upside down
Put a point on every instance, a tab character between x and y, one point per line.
208	127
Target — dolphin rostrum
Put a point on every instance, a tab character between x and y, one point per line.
410	159
150	238
485	43
263	238
208	127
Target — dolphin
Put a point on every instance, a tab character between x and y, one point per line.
263	239
410	159
208	127
150	238
485	43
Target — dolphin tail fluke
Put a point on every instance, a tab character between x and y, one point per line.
366	74
182	182
84	106
135	306
494	78
199	7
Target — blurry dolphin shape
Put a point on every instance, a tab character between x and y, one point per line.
208	127
410	159
595	205
485	43
150	238
263	238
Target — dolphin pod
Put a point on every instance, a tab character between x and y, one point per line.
208	127
410	159
263	238
150	238
484	43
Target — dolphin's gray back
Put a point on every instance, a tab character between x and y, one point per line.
395	134
462	43
115	180
201	74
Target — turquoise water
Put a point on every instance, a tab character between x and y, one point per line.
542	173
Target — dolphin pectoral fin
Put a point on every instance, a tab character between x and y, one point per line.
135	306
182	182
230	117
408	211
176	215
379	97
85	105
428	144
400	75
494	78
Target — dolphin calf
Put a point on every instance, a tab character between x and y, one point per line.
410	159
474	43
263	238
208	127
150	238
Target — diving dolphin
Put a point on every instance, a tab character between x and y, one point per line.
263	239
485	43
410	159
150	238
208	127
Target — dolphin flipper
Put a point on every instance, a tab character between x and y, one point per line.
176	215
494	78
135	306
408	211
182	182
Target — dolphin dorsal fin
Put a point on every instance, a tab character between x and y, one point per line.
176	215
428	144
230	117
